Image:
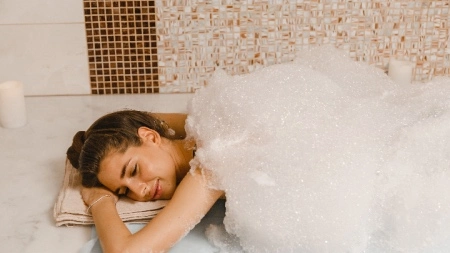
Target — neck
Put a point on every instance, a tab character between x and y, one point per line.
182	153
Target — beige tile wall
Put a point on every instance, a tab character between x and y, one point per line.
185	40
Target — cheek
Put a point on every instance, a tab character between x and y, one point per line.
147	173
170	190
162	167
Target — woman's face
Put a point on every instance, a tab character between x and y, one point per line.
142	173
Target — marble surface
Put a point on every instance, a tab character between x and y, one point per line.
32	167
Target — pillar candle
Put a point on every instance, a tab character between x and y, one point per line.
12	105
401	71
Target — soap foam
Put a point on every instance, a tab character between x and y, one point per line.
324	154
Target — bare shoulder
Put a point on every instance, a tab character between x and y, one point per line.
176	121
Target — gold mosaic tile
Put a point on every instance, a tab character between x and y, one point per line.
121	43
179	43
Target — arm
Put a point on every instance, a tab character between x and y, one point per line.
191	201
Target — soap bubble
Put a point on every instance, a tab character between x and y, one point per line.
325	154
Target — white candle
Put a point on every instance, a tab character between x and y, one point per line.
12	105
401	71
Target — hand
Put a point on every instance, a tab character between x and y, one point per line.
92	194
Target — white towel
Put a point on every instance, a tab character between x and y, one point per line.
70	209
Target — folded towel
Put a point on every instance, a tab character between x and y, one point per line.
70	209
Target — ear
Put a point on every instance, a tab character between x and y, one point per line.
148	135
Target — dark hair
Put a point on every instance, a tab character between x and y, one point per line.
113	132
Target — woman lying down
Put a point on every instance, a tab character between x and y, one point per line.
322	154
135	154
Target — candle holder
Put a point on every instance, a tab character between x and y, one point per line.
12	105
401	71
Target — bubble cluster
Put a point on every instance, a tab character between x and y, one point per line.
325	154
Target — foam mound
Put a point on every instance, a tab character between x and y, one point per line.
324	154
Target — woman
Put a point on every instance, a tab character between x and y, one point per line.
322	154
134	154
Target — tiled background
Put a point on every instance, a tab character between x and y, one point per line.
196	36
129	50
193	37
122	47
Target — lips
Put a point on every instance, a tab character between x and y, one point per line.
156	190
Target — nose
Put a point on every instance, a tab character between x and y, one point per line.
137	189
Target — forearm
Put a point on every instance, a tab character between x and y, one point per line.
190	203
192	199
112	232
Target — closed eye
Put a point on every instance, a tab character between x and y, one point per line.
133	173
135	170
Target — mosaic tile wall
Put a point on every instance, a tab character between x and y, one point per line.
175	45
121	42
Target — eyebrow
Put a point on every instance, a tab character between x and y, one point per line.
122	174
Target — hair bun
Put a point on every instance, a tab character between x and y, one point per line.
73	152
